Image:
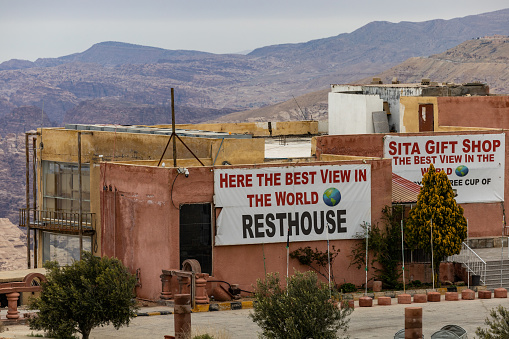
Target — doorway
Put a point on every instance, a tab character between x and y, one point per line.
196	234
426	118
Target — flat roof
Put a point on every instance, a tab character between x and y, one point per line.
156	130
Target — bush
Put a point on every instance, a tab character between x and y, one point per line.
498	326
91	292
203	336
347	288
303	310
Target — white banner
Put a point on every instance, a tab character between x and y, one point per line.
265	205
474	163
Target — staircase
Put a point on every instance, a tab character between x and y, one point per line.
487	263
494	270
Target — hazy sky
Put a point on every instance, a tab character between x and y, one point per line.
31	29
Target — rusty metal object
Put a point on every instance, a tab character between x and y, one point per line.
221	294
182	316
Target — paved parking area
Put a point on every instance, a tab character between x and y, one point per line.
373	322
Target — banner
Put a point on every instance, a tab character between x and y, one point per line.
265	205
474	163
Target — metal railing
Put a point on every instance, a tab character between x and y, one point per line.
60	221
472	261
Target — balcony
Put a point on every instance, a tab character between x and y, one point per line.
58	221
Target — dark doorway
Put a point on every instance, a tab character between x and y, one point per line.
196	235
426	118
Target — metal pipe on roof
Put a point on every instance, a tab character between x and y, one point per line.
27	187
80	217
173	128
34	193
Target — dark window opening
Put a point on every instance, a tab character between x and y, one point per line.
196	235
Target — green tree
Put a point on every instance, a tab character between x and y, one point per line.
89	293
384	243
498	326
437	209
303	310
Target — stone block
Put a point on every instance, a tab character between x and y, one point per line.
384	301
377	286
404	299
500	293
467	294
365	302
420	298
484	294
451	296
434	296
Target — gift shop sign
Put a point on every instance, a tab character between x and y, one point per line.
474	163
305	203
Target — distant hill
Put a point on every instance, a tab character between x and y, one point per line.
207	84
482	59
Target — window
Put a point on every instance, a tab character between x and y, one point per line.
63	248
61	186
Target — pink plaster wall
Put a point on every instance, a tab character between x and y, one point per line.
485	219
140	226
490	111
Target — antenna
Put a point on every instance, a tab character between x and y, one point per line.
303	115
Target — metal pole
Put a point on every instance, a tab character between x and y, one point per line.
502	254
328	260
173	128
34	192
403	256
27	184
366	282
80	217
432	265
468	260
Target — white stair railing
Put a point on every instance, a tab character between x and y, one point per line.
472	261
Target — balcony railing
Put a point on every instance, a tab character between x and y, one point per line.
58	221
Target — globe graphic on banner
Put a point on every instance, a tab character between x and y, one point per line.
461	170
331	197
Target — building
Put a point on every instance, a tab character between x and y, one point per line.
364	109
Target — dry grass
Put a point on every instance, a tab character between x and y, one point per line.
214	332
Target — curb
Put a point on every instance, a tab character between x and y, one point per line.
147	314
224	306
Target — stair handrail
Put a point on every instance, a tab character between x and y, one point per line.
473	262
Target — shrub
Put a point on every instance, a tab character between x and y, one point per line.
317	260
303	310
347	288
91	292
498	326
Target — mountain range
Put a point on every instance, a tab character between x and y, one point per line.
114	82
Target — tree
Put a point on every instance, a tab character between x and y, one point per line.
385	246
89	293
498	326
303	310
437	209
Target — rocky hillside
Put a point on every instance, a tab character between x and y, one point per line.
13	250
12	175
482	59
